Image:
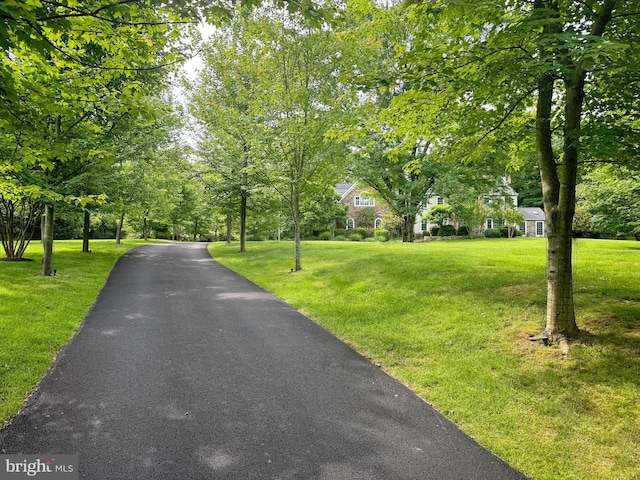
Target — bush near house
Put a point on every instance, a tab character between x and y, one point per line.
382	235
363	232
325	235
492	233
435	230
504	232
355	237
447	231
463	231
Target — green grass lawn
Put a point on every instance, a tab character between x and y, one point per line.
452	321
38	315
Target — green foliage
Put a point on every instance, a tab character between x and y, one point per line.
438	214
611	196
492	233
363	232
366	217
463	231
325	235
381	235
434	231
447	231
355	237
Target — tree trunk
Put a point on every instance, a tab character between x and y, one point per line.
558	186
243	222
85	231
145	229
408	221
228	229
17	225
47	242
295	210
119	229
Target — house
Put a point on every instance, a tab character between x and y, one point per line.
534	222
356	197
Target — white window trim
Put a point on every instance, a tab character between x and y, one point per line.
541	223
353	222
362	201
377	222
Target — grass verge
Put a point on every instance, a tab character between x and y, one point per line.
452	321
38	315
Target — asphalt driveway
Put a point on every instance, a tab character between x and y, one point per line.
185	370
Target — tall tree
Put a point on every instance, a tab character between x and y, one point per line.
302	98
478	68
223	100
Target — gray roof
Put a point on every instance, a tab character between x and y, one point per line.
343	188
532	213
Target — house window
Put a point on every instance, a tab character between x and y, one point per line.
489	223
424	225
523	228
364	202
539	229
377	223
351	224
440	201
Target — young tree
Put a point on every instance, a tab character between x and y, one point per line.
302	97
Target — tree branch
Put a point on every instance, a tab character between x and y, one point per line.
506	116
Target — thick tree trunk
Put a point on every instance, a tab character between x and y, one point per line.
85	231
47	242
119	229
558	185
408	221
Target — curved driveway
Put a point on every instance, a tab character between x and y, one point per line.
185	370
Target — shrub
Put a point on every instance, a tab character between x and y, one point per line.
447	231
361	231
492	233
434	230
341	238
463	231
325	235
255	238
356	237
382	235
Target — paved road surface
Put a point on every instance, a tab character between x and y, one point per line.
184	370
